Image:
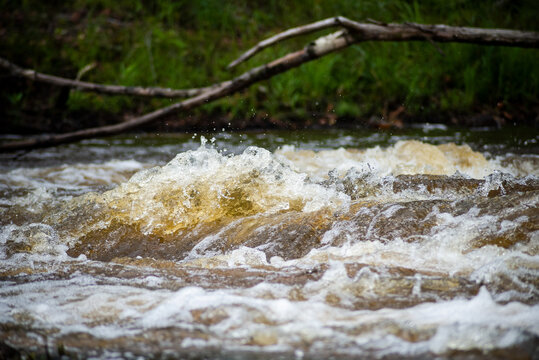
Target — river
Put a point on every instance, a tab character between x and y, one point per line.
339	244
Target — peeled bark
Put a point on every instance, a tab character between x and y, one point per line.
379	31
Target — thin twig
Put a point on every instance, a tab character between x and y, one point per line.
428	36
85	69
377	22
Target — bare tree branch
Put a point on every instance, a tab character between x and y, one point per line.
290	33
403	32
353	32
442	33
98	88
319	48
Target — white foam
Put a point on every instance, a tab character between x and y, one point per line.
203	185
405	157
84	306
265	315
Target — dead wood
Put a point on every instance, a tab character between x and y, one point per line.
378	31
352	32
313	51
99	88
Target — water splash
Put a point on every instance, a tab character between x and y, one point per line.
405	251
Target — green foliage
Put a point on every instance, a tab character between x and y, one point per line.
182	44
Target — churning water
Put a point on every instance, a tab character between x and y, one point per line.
308	245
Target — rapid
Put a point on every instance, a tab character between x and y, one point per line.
309	245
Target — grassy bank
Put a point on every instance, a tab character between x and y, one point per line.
185	44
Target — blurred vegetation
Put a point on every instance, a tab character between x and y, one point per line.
182	44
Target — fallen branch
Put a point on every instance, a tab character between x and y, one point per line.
313	51
353	32
99	88
290	33
403	32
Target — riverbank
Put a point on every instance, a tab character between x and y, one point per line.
30	124
184	45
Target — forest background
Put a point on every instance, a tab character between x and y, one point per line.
185	44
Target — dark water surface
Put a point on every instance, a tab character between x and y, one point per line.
321	244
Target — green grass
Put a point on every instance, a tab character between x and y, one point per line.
184	44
